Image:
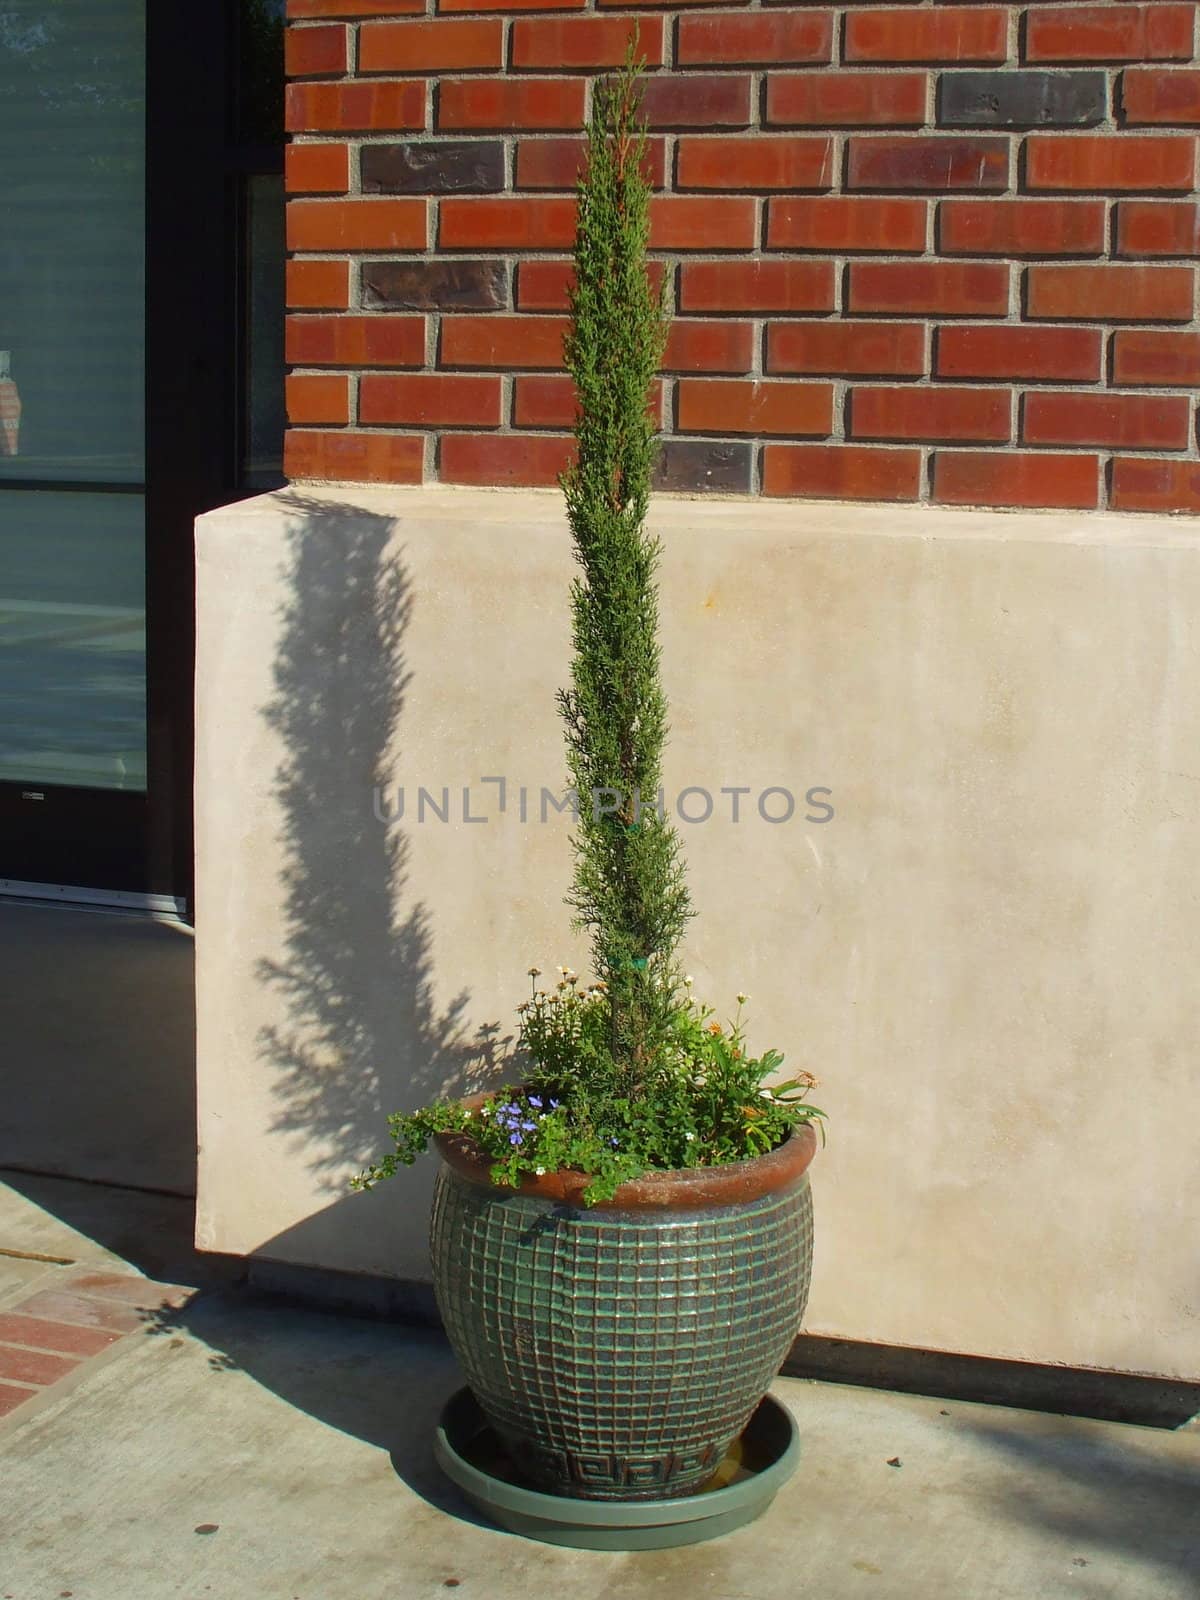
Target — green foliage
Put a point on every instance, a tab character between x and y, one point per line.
704	1100
629	889
631	1074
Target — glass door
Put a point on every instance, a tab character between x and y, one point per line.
73	761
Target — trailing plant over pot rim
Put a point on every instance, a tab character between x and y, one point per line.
622	1241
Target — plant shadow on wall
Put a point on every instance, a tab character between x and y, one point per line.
363	1032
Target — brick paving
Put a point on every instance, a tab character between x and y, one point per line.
55	1331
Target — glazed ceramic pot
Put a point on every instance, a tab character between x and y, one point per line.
618	1350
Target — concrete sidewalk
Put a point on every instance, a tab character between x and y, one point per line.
236	1448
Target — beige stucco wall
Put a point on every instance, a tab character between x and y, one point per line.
988	955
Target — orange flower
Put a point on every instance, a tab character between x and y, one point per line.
715	1029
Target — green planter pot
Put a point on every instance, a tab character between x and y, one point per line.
617	1351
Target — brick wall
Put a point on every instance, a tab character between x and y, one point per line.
929	251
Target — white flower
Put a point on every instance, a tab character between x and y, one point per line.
742	998
688	980
540	1171
485	1111
689	1137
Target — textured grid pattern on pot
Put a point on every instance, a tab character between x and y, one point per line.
618	1354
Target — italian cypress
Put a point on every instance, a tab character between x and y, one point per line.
629	890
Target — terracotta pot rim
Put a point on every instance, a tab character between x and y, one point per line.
682	1189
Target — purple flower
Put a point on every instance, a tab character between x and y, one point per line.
615	1143
515	1138
535	1102
528	1127
554	1105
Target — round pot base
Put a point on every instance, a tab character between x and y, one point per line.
759	1462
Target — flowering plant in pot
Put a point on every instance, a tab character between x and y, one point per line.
621	1235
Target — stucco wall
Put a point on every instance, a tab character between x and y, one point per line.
987	955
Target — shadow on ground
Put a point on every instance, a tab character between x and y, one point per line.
1107	1493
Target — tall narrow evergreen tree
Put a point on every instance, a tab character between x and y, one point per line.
629	888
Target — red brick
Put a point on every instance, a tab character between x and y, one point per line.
355	107
64	1337
847	349
1068	355
509	5
439	46
312	285
791	286
430	399
1130	421
532	461
317	168
711	222
503	223
581	44
1165	359
841	222
720	346
945	288
543	285
59	1305
937	162
755	38
633	5
379	341
909	33
542	401
508	103
1142	485
771	161
554	163
1005	478
1109	292
1109	33
354	457
12	1396
317	397
33	1366
750	405
1158	228
1149	94
847	99
356	225
841	472
911	413
1110	161
314	52
1021	227
694	101
502	341
298	9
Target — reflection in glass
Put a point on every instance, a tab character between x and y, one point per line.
259	54
72	640
72	240
266	254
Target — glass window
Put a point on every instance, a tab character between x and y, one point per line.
266	255
72	245
72	639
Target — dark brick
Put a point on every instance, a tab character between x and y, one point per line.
441	166
435	285
1021	99
686	465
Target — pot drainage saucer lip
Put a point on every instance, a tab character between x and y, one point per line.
760	1461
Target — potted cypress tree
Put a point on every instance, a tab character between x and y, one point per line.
621	1238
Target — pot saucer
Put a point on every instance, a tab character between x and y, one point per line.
758	1463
